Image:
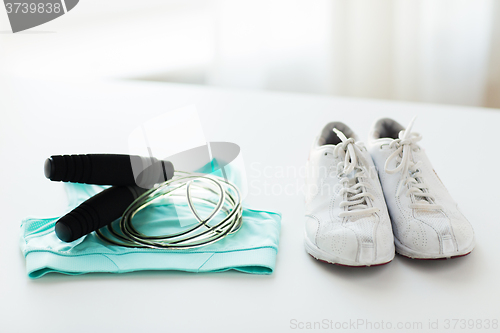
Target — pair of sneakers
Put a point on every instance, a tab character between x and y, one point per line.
348	221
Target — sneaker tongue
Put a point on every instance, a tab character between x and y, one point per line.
353	181
384	140
423	200
419	199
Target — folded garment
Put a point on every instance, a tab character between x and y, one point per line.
252	249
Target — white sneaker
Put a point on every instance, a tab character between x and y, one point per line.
426	221
347	222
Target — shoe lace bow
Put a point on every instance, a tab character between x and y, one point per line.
411	175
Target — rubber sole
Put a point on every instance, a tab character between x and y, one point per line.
337	264
408	253
443	258
325	257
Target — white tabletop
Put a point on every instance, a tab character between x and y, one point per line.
274	131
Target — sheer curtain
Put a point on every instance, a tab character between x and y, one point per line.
442	51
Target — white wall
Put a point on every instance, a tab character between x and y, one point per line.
443	51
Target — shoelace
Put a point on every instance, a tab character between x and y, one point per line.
356	202
410	173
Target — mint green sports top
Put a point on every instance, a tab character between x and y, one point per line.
252	249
